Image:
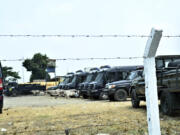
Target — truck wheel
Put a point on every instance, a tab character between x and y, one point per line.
120	95
167	102
134	99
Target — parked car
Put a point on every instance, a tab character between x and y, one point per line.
1	89
119	90
168	80
90	77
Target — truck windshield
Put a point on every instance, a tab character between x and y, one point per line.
74	79
99	77
66	80
132	75
89	78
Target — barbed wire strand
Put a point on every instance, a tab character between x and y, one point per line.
79	59
83	35
73	35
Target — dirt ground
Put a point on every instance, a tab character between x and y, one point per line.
39	115
40	101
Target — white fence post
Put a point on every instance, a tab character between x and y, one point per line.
151	82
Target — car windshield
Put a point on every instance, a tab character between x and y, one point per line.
132	75
99	77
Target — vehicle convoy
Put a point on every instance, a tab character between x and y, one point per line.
82	87
1	89
72	87
119	90
168	84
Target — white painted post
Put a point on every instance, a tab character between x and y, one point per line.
151	82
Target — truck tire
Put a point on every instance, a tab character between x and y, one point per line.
167	102
135	101
120	95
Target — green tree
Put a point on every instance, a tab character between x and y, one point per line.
37	66
7	72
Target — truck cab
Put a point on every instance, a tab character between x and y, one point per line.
68	78
91	76
96	86
78	78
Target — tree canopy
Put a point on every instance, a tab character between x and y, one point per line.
37	65
7	72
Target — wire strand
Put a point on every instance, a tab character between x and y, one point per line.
80	59
82	35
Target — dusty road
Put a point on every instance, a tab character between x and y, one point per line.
41	101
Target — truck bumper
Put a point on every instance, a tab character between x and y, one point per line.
84	92
95	93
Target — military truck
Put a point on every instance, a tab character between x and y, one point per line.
168	84
95	87
78	78
119	90
106	76
70	89
15	89
68	79
82	87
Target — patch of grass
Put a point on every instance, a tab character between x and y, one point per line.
92	118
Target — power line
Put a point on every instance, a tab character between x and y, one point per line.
82	36
79	59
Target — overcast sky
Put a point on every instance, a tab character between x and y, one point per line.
85	17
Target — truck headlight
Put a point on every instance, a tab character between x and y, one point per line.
111	86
